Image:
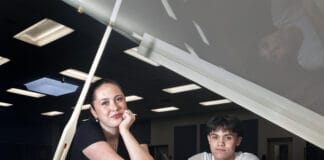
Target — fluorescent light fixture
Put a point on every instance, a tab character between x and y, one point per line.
84	107
3	60
52	113
183	88
73	73
43	32
4	104
25	92
51	86
165	109
133	52
215	102
133	98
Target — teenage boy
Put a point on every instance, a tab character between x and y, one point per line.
224	134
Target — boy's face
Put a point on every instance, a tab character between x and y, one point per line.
222	144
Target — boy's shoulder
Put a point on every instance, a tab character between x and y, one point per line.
245	156
201	156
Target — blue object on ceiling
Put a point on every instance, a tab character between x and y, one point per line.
51	87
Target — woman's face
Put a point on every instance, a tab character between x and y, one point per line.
109	105
273	48
282	44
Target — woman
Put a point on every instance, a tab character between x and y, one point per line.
107	136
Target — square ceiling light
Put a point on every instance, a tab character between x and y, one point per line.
52	113
51	87
25	92
165	109
84	107
215	102
73	73
4	104
131	98
43	32
3	60
183	88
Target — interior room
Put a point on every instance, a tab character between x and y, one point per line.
259	60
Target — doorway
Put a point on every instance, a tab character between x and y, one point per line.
280	148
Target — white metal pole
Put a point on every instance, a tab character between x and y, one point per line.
70	128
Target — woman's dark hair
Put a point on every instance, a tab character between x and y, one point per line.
94	86
229	123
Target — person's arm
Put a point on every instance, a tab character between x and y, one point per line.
135	150
145	147
316	17
101	151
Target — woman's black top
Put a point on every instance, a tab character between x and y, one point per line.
87	133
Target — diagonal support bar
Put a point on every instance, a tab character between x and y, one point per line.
70	128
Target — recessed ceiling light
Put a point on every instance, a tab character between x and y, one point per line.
25	92
3	60
43	32
84	107
215	102
4	104
165	109
73	73
133	52
51	86
183	88
133	98
52	113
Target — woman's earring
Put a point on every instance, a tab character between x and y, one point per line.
97	120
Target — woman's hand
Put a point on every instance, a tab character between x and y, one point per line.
128	120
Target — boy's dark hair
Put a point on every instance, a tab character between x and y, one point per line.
229	123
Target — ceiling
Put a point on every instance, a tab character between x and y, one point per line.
77	51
